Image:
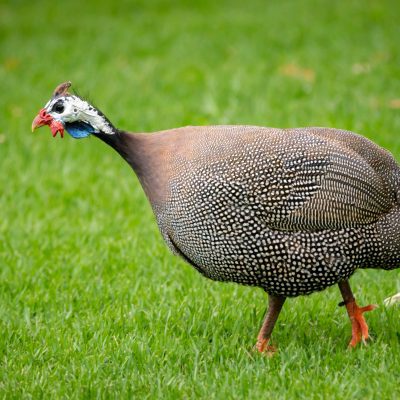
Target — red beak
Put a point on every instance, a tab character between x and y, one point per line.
46	119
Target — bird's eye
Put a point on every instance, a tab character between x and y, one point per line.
58	108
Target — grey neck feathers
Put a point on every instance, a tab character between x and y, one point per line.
140	152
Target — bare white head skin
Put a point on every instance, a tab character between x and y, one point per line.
70	112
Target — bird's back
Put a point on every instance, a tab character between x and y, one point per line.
297	179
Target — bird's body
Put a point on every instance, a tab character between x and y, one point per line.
292	211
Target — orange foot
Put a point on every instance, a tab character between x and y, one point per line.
359	327
263	347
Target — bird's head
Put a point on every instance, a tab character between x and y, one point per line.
66	111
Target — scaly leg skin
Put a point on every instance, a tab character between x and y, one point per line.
359	328
271	316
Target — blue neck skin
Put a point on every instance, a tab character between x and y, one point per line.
79	130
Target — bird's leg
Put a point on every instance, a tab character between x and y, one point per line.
359	327
274	308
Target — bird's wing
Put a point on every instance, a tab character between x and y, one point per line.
296	180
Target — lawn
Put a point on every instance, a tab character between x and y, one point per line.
92	304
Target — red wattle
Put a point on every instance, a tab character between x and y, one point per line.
55	127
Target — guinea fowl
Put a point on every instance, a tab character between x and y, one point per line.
292	211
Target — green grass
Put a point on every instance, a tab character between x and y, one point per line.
92	304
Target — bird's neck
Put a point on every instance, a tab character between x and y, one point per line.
100	122
143	153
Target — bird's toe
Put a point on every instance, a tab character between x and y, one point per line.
263	347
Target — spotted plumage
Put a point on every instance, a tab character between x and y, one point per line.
287	210
292	211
